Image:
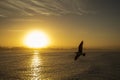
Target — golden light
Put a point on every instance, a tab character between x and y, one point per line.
35	63
36	39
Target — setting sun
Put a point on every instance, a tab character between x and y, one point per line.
36	39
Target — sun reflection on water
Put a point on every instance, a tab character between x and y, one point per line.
35	64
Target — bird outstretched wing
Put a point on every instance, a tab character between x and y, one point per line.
80	48
76	57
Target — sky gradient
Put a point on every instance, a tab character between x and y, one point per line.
66	22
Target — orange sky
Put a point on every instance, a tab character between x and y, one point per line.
65	25
58	33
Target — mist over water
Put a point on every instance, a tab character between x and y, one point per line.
38	65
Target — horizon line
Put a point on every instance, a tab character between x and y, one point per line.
58	48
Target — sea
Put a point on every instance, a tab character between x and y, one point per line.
59	65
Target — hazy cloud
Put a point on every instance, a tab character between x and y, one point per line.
42	7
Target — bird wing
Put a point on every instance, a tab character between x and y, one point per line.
76	57
80	47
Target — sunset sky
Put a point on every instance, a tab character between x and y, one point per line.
65	22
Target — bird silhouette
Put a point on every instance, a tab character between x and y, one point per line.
80	51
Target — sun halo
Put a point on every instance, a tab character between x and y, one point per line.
36	39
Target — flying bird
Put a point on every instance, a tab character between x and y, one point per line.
80	51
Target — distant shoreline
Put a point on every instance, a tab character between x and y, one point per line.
59	49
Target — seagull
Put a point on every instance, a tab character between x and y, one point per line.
80	51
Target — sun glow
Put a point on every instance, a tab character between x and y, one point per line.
36	39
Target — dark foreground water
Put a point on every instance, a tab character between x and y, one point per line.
36	65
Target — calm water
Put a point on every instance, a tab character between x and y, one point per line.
37	65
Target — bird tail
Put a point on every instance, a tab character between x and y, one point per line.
83	54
